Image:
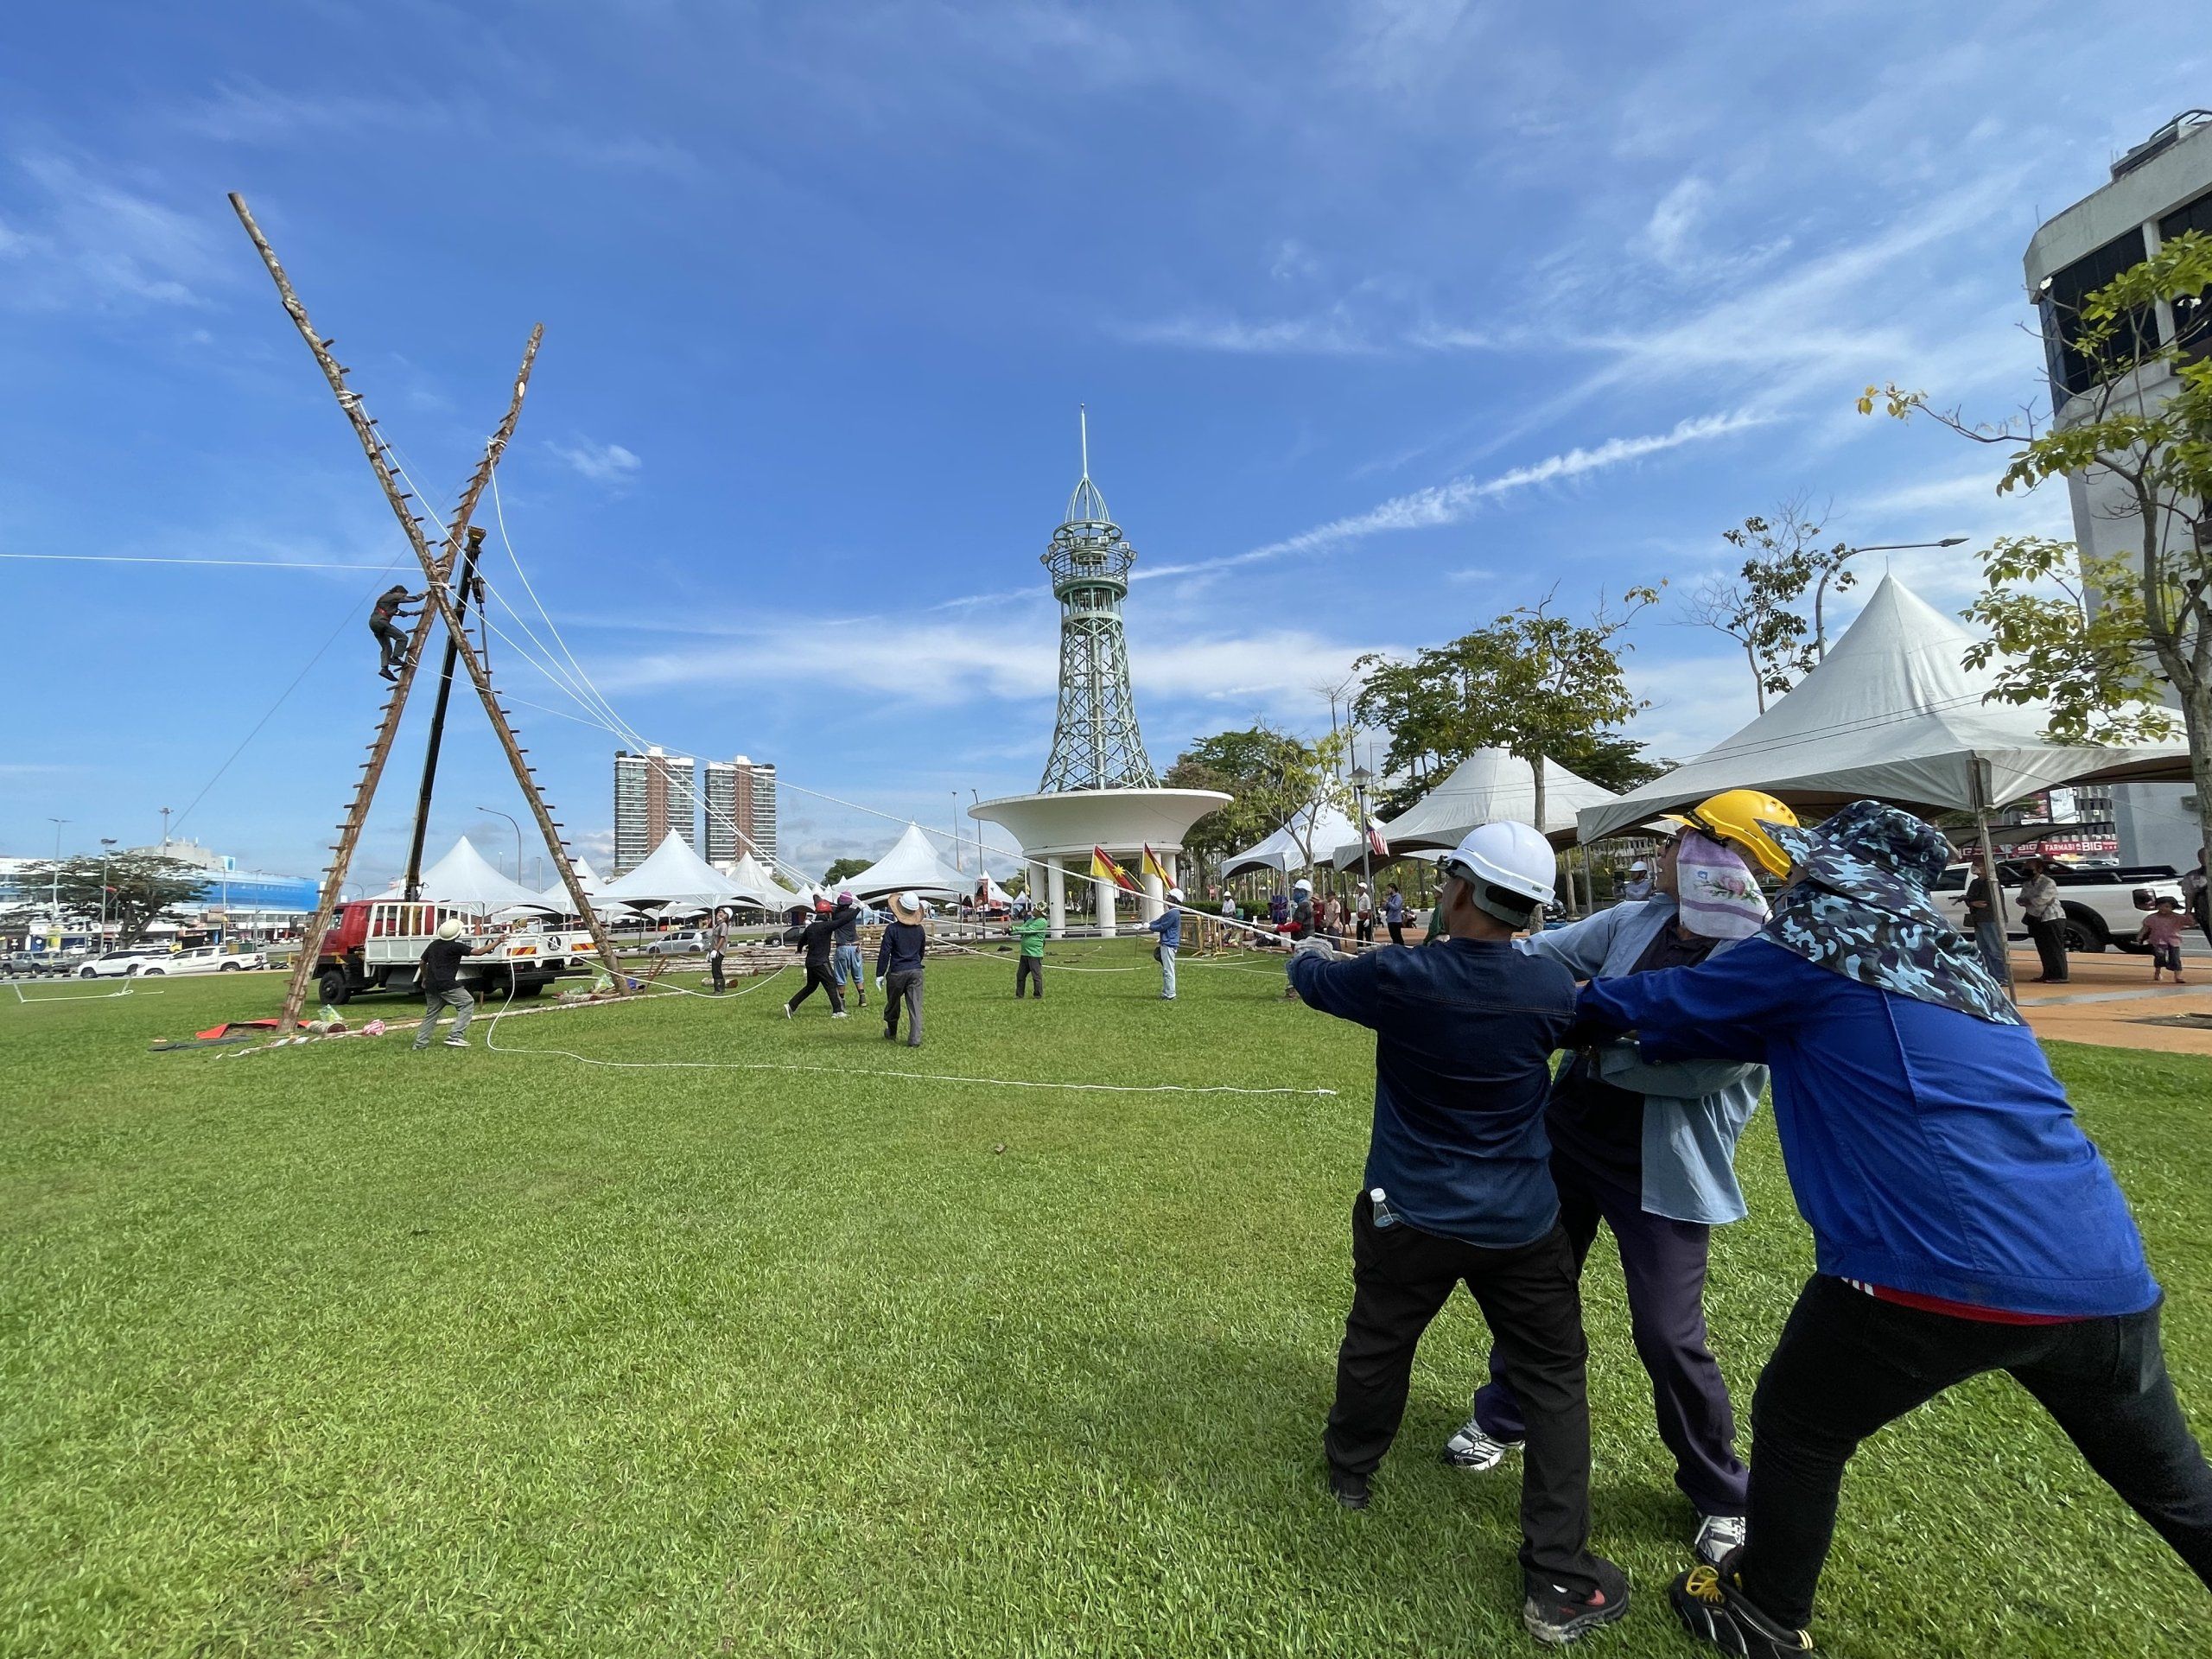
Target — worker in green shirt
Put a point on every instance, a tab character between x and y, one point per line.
1029	962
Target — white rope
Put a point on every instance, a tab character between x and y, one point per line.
127	989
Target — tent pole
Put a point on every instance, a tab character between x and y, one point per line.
1975	764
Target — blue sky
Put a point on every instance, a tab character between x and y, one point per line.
1390	316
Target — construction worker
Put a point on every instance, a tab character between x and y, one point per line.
1028	935
717	944
1458	1190
1961	1221
899	967
441	986
817	941
847	936
1649	1151
391	641
1169	925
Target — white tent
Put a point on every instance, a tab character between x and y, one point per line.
755	886
1891	713
1487	785
1321	828
672	877
911	866
465	876
556	897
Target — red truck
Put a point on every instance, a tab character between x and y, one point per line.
377	945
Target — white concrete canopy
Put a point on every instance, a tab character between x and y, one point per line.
1058	829
911	866
673	877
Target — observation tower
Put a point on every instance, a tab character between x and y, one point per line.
1099	788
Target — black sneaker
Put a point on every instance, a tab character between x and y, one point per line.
1351	1489
1556	1616
1712	1607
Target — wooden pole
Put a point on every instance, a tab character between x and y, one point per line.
437	569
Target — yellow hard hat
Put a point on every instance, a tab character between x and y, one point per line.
1736	815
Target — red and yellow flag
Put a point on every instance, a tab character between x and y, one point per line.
1152	866
1104	868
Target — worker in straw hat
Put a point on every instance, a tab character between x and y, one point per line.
1649	1152
441	986
1458	1189
899	968
1961	1221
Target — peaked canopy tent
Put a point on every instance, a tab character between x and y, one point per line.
911	866
1487	785
754	886
1893	714
556	897
464	876
674	879
1320	829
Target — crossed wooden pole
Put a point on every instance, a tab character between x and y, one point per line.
437	569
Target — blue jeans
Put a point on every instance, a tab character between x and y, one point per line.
1989	939
847	968
1167	971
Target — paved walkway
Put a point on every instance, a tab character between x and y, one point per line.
2108	995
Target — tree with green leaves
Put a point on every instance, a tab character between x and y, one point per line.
843	869
2096	649
1276	777
1758	606
139	888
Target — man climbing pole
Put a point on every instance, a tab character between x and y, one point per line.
391	641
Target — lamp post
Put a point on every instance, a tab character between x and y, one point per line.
1361	778
107	846
510	818
1821	592
54	897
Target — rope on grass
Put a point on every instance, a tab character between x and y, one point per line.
85	996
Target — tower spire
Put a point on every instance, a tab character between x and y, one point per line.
1083	424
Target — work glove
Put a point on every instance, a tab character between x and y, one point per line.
1314	945
879	981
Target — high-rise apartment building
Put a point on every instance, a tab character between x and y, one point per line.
655	793
740	810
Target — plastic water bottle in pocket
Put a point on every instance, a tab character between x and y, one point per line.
1383	1215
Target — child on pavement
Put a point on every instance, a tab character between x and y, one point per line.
2162	931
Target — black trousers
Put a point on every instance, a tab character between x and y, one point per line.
714	965
1363	929
819	973
1397	932
2050	946
1848	1364
1028	970
1663	1262
392	644
903	989
1401	1279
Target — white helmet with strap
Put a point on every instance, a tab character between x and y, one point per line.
1510	859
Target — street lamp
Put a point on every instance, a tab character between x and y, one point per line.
1361	778
107	846
55	897
1821	592
510	818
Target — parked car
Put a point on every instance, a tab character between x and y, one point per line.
130	961
201	959
2104	904
684	941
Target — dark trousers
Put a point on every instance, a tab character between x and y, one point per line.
1363	929
392	644
1401	1279
1848	1364
817	973
1664	1261
905	989
1029	970
715	967
1397	932
2050	945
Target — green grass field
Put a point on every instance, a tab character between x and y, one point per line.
347	1350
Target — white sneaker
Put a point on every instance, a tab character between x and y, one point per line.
1716	1536
1472	1449
841	1014
457	1042
787	1010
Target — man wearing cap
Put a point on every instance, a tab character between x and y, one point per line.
1961	1221
717	944
1169	925
898	968
817	940
1028	935
441	986
848	958
1649	1152
1640	885
1456	1190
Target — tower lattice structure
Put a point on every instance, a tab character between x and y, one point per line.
1096	743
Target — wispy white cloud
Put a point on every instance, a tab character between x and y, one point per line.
1451	503
93	241
602	463
1328	334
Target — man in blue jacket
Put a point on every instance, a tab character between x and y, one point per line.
1169	925
1456	1190
1961	1221
1649	1152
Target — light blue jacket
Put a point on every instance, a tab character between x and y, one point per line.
1693	1110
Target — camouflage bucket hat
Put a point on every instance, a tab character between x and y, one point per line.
1868	851
1858	905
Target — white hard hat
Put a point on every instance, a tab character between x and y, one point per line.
1301	886
1506	854
1175	894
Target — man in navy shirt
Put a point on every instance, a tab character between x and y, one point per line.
1169	925
1961	1221
1458	1190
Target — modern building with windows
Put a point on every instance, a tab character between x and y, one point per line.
655	792
740	810
2158	190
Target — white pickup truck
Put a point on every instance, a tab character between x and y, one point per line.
2104	906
